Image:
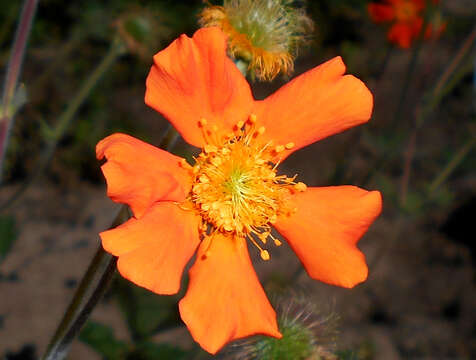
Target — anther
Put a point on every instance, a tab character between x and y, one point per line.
239	125
277	242
300	186
202	122
252	118
290	145
261	130
264	237
210	148
279	148
216	161
264	255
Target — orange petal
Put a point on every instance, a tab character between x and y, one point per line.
316	104
139	174
225	300
381	12
323	232
193	78
154	249
403	34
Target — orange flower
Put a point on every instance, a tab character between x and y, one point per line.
406	17
233	193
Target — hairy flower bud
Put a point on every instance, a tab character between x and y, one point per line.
308	334
265	34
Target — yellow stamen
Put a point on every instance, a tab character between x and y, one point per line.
236	189
264	255
300	186
210	148
261	130
239	124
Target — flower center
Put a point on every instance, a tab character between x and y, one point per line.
237	190
406	11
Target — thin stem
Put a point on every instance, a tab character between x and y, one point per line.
451	166
169	138
408	79
386	59
102	267
442	87
13	73
408	160
65	119
92	287
115	51
463	50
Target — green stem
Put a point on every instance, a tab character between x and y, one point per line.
65	119
170	137
451	166
408	78
13	74
444	85
384	63
102	267
91	289
115	51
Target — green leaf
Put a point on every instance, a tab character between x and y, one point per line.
347	355
101	339
146	312
8	234
151	351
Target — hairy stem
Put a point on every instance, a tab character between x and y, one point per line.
65	119
13	73
454	162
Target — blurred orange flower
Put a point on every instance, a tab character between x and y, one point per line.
232	193
406	17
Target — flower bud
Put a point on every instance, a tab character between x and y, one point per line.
264	34
307	335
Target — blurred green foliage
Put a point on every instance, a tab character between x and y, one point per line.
8	234
101	338
145	312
